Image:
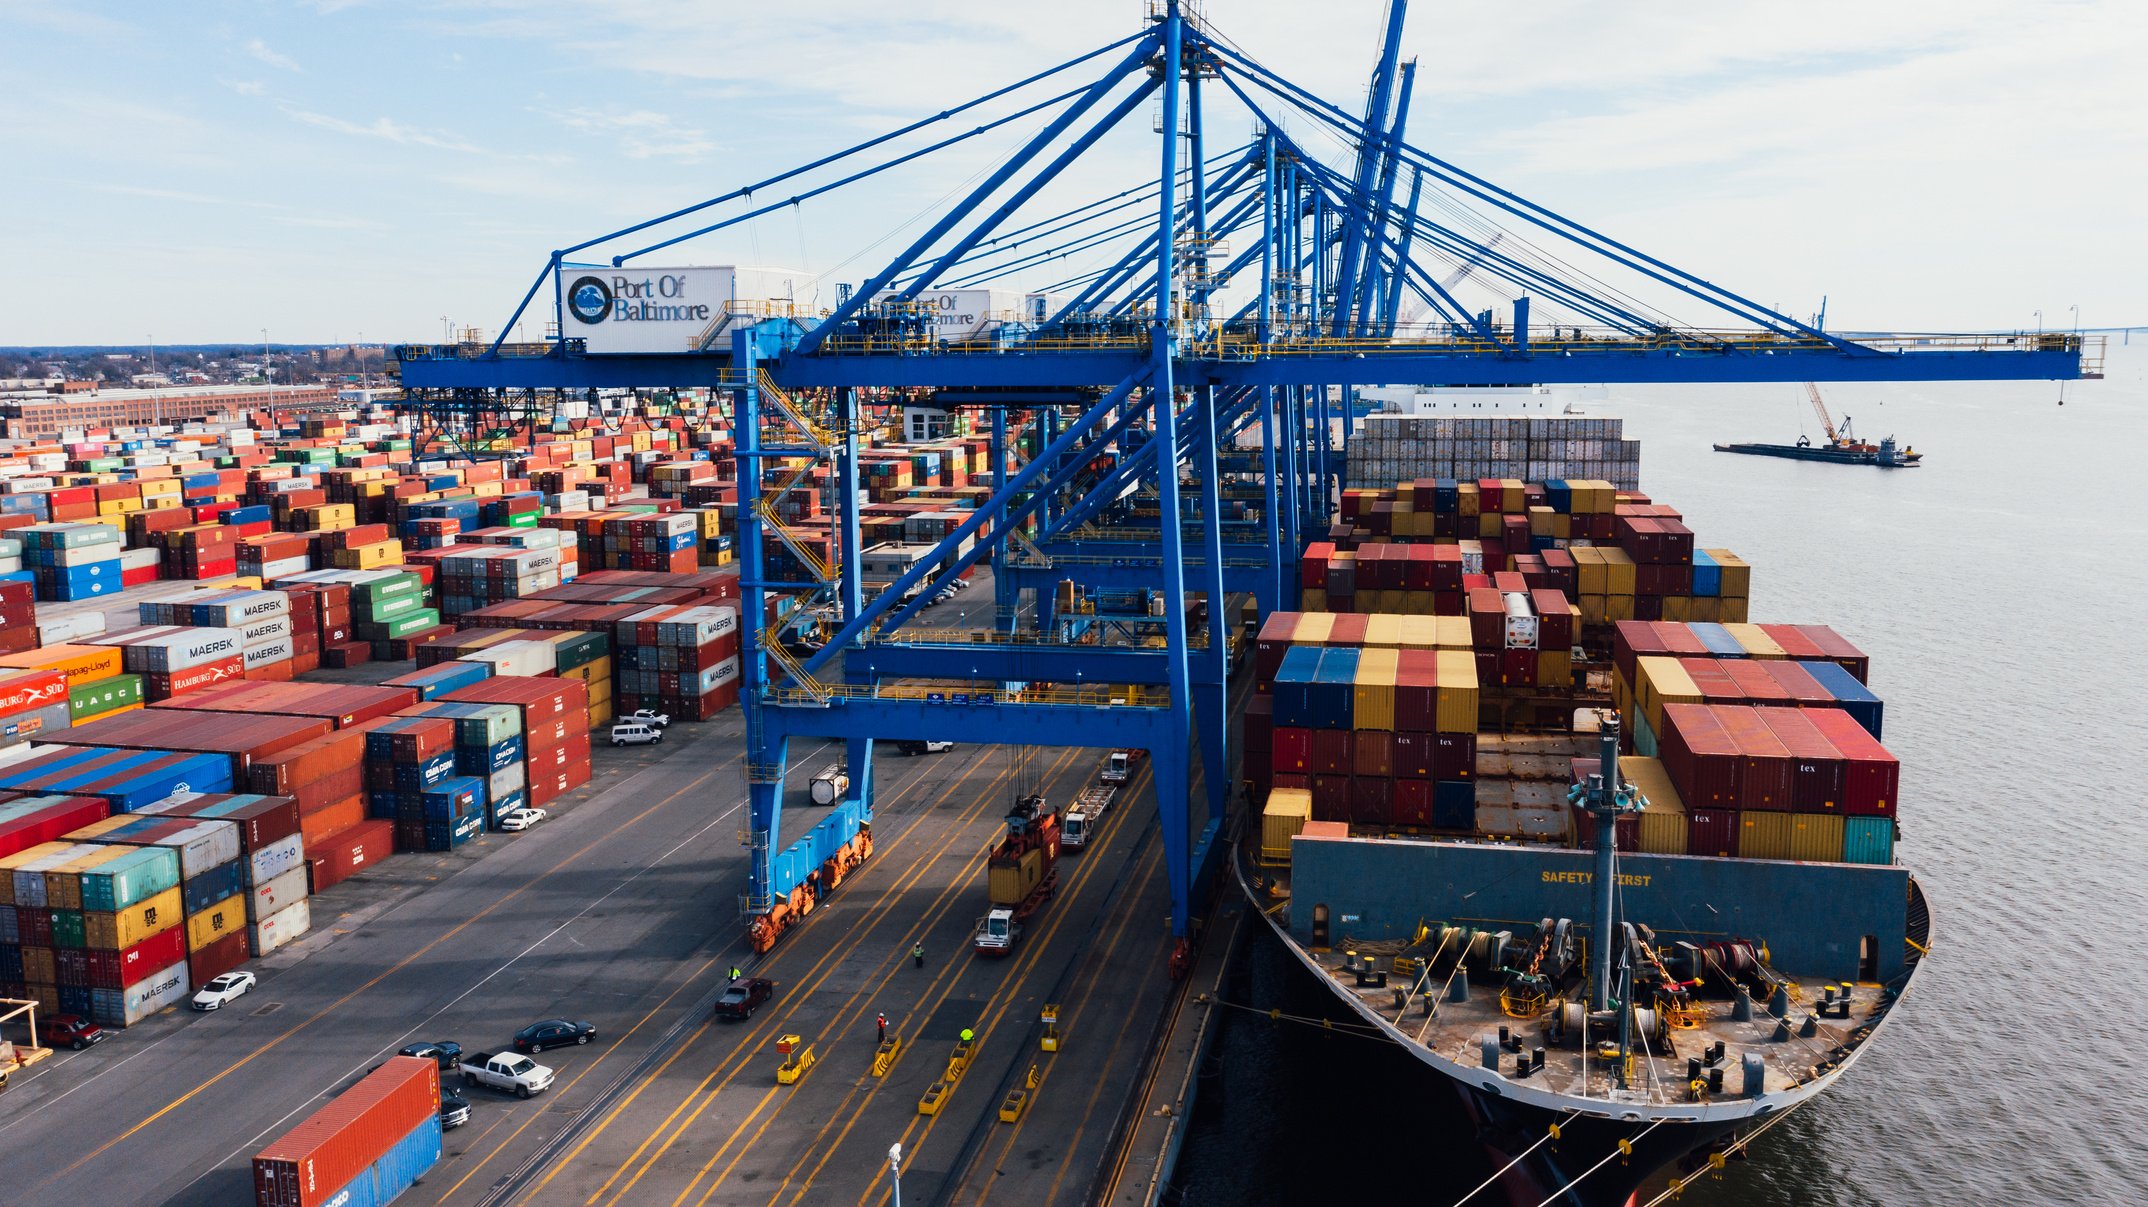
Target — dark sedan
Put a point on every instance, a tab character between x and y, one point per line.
740	999
553	1033
445	1052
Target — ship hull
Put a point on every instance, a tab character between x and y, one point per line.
1794	452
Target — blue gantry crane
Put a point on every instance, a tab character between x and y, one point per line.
1190	404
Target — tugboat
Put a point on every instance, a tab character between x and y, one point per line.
1842	447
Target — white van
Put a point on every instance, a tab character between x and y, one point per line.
635	733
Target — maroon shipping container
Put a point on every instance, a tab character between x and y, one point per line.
1517	668
60	815
1816	767
243	736
286	772
1370	801
1411	802
1454	756
1755	684
1259	728
1797	683
331	789
1835	649
348	852
1712	832
1332	752
1871	777
1331	798
311	1162
217	958
552	709
1374	753
1348	632
1270	646
1416	695
1700	757
1285	779
552	785
261	822
562	756
420	737
1766	776
1715	684
1292	750
1631	639
1487	618
1794	643
1555	621
35	924
1411	755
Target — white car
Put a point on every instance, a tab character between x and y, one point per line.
522	818
650	717
223	990
634	733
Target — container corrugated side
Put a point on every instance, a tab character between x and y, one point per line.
1285	814
310	1164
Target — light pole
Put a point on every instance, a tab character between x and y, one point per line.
268	370
2039	322
2075	309
159	408
895	1171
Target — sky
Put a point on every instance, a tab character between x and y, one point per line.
346	169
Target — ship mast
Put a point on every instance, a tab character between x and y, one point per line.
1603	804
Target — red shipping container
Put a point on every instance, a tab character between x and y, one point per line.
308	1164
1411	755
1871	777
1835	649
1700	758
1487	618
1517	668
1411	802
1374	753
64	815
1370	801
218	958
1302	783
1816	767
1332	752
1766	775
25	691
1755	684
119	969
1291	750
178	683
270	819
342	855
1416	694
1798	683
1712	832
1555	620
552	785
336	817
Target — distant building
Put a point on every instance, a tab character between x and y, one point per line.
33	417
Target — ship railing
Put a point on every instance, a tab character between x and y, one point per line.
1093	695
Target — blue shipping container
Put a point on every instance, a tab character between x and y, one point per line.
481	760
1717	639
1292	686
1868	839
1855	698
417	777
1707	575
1334	690
1454	805
396	1171
212	886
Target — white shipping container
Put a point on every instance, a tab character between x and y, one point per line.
511	778
182	649
276	859
716	676
268	652
285	566
279	928
208	844
1521	622
245	607
159	990
274	896
86	555
261	632
136	559
528	659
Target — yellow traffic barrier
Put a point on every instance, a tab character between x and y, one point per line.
930	1103
1051	1028
1017	1100
958	1062
885	1058
798	1057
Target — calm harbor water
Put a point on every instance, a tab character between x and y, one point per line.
1997	589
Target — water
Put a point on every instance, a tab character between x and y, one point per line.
1996	588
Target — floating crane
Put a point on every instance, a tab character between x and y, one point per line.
1842	445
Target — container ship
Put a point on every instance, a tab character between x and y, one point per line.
1544	807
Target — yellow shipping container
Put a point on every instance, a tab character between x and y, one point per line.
1420	633
1540	521
1489	523
1663	821
226	917
1592	609
1384	630
1730	609
1314	626
1555	668
1678	608
1620	572
1284	816
1465	498
1816	837
1372	704
158	486
1737	575
1312	599
1591	575
1702	609
1617	608
1455	693
1454	632
80	663
133	924
1513	496
1756	642
1662	681
1763	834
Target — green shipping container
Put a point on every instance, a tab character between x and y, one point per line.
489	726
137	877
93	699
401	626
388	588
384	610
1868	839
67	928
526	519
580	649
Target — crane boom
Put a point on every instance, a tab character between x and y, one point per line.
1820	408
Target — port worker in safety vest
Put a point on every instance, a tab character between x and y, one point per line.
968	1035
917	954
735	974
883	1020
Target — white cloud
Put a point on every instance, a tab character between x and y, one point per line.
387	129
261	50
245	87
639	133
181	195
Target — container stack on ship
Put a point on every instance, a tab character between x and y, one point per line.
1549	809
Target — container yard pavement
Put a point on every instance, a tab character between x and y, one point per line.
607	912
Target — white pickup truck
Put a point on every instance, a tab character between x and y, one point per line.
509	1071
